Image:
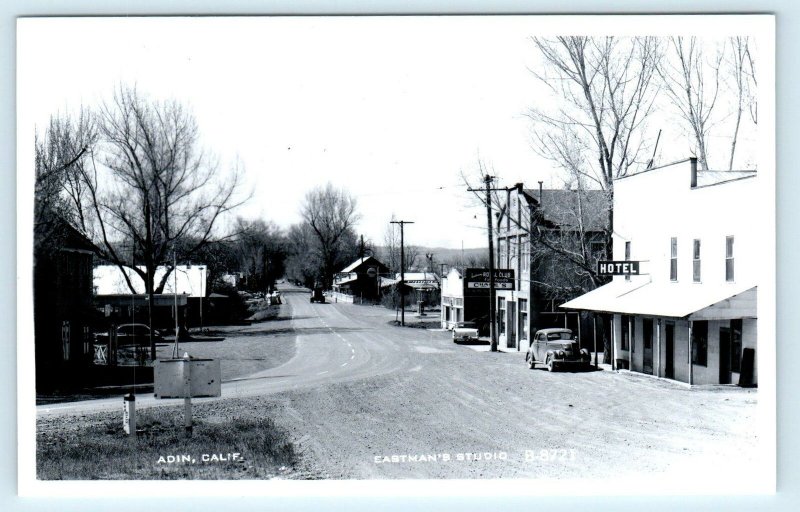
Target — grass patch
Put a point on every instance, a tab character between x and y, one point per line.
96	447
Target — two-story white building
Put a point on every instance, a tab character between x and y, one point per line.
690	313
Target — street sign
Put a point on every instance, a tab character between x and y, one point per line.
372	272
617	268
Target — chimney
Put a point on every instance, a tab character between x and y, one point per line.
693	166
540	193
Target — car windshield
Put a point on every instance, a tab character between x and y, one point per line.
466	324
563	335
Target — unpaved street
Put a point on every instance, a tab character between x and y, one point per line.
362	398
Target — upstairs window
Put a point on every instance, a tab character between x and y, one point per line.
696	261
729	259
673	259
525	255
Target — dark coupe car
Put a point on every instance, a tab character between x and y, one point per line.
556	347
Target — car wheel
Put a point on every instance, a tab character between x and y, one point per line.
550	364
531	363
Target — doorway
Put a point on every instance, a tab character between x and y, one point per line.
724	355
647	338
669	363
512	326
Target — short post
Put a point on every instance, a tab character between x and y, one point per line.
594	330
187	393
129	414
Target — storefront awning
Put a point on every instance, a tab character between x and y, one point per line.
678	300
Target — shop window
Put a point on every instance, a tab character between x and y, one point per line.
673	259
523	317
729	258
696	261
736	345
700	342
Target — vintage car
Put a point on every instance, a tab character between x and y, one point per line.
317	295
556	348
465	332
131	334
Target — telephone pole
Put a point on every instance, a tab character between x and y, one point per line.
402	271
492	306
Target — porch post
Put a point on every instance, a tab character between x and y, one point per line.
613	342
691	365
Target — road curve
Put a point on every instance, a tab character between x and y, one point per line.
334	343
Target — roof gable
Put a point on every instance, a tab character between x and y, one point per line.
362	263
567	208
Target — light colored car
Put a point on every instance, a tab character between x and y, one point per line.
465	332
556	348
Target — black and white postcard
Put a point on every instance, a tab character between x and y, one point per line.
445	255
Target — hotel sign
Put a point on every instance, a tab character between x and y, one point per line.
478	279
618	268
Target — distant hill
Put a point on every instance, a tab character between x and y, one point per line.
476	257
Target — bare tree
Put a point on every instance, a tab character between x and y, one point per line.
331	214
692	82
149	188
597	131
742	78
260	246
60	157
302	263
391	246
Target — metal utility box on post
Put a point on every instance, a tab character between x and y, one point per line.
187	378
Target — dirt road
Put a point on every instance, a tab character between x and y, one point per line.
362	398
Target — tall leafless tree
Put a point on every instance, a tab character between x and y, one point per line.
260	247
606	89
147	187
61	153
742	79
692	80
711	83
331	214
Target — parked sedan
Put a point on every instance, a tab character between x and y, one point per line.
465	332
556	347
131	334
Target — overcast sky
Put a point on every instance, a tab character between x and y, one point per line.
392	109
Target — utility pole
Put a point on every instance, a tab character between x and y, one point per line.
492	306
402	271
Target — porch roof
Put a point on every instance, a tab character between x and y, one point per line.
678	300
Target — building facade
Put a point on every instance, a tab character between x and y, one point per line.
689	313
359	281
540	235
462	303
63	313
